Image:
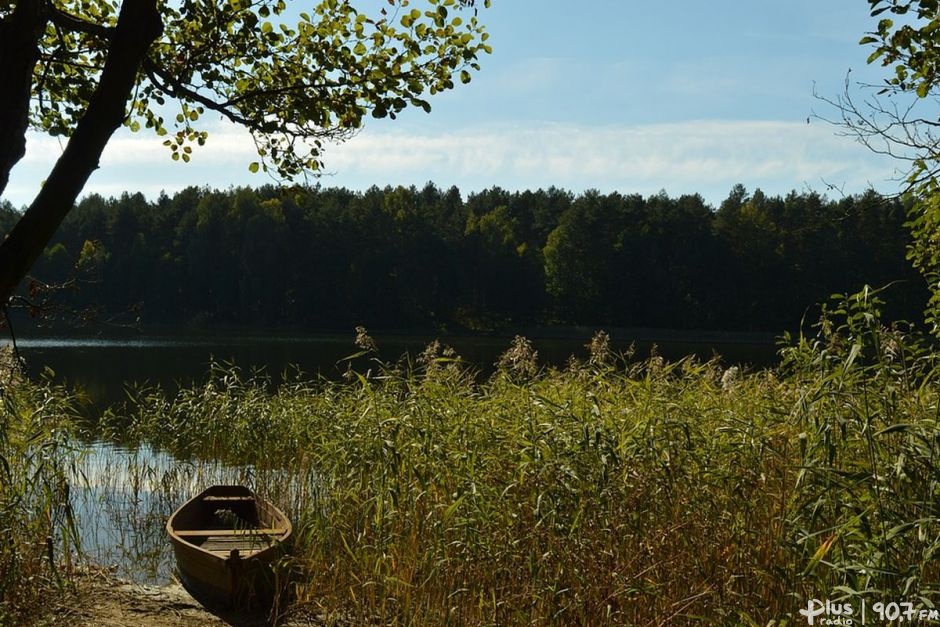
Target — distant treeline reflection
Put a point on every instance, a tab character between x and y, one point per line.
408	257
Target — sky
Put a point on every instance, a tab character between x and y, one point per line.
615	95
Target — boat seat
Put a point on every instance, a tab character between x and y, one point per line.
227	498
246	546
193	533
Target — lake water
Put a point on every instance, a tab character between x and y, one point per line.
103	366
121	505
123	496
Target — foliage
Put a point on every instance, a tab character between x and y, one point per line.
908	46
409	257
631	491
864	512
607	492
613	491
293	78
901	120
83	68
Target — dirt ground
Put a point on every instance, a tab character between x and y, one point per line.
102	601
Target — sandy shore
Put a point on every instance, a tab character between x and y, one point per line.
100	600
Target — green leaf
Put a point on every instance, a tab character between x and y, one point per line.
896	427
239	47
452	508
253	167
424	104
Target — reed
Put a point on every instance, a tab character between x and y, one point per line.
612	491
864	520
37	528
608	491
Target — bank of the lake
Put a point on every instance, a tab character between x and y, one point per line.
102	363
607	491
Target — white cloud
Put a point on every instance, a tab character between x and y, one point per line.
685	155
707	157
226	143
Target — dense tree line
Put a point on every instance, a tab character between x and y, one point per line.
407	257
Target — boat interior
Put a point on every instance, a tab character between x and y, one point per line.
227	519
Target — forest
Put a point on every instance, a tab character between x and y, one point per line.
408	258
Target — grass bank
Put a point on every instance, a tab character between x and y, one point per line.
610	491
36	523
603	490
614	490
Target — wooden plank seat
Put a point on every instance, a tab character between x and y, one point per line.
195	533
215	499
246	545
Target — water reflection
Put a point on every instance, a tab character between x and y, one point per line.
122	498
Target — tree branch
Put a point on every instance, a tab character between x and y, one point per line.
69	22
168	84
139	24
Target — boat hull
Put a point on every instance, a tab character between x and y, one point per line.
231	566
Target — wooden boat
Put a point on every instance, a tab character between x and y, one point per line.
226	540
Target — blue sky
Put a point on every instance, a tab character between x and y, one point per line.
686	96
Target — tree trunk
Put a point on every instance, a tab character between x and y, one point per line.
19	52
139	24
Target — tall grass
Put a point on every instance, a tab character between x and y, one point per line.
865	516
610	491
36	523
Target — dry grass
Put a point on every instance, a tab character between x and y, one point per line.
36	524
610	492
605	492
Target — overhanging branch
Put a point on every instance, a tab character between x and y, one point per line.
69	22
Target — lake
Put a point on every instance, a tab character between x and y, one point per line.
102	366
